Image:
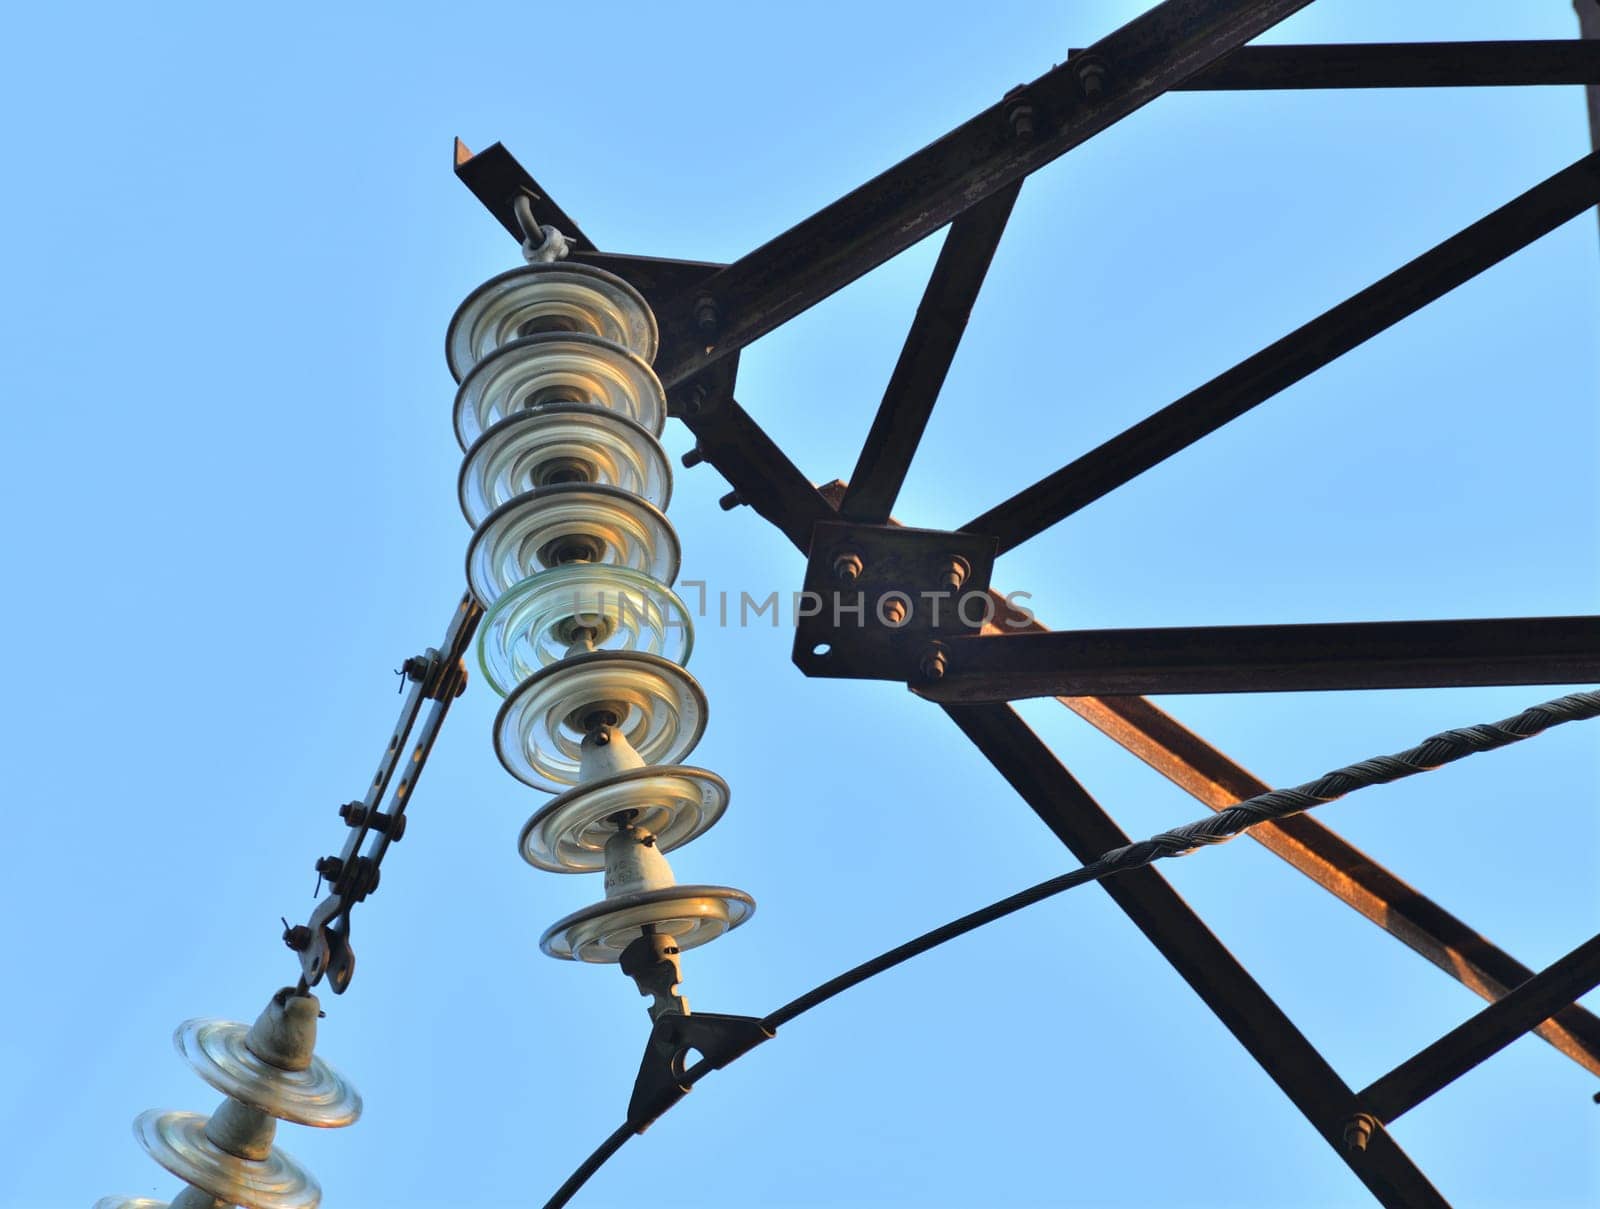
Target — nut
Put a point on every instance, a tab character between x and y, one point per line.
954	574
847	566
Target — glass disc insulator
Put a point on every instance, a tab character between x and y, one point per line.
693	915
317	1096
538	735
548	297
536	623
557	369
177	1140
522	451
673	803
557	525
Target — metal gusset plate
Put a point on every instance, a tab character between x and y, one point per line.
878	598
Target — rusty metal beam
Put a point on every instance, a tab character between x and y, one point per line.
1484	1035
1400	65
1316	850
1272	658
1278	366
1202	960
925	358
1036	124
1334	863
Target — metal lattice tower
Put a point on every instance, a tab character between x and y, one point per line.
568	368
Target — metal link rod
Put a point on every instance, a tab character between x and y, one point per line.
323	941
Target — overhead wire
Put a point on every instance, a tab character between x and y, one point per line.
1227	823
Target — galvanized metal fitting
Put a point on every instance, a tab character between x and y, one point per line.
356	814
652	962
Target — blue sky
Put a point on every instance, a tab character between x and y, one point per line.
234	244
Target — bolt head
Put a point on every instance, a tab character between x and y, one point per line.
707	318
954	574
1358	1131
1091	77
847	567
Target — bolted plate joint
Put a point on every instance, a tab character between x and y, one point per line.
878	599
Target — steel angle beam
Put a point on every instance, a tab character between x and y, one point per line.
925	358
1021	133
1202	960
1273	658
1484	1035
497	180
1335	864
1281	364
1399	65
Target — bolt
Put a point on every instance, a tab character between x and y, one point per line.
731	501
706	316
1091	71
933	662
1019	114
1358	1130
892	610
694	402
693	458
354	813
297	936
330	867
954	574
415	668
847	567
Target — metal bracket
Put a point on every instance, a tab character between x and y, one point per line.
878	598
662	1080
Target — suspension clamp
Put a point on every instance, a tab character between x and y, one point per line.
662	1081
